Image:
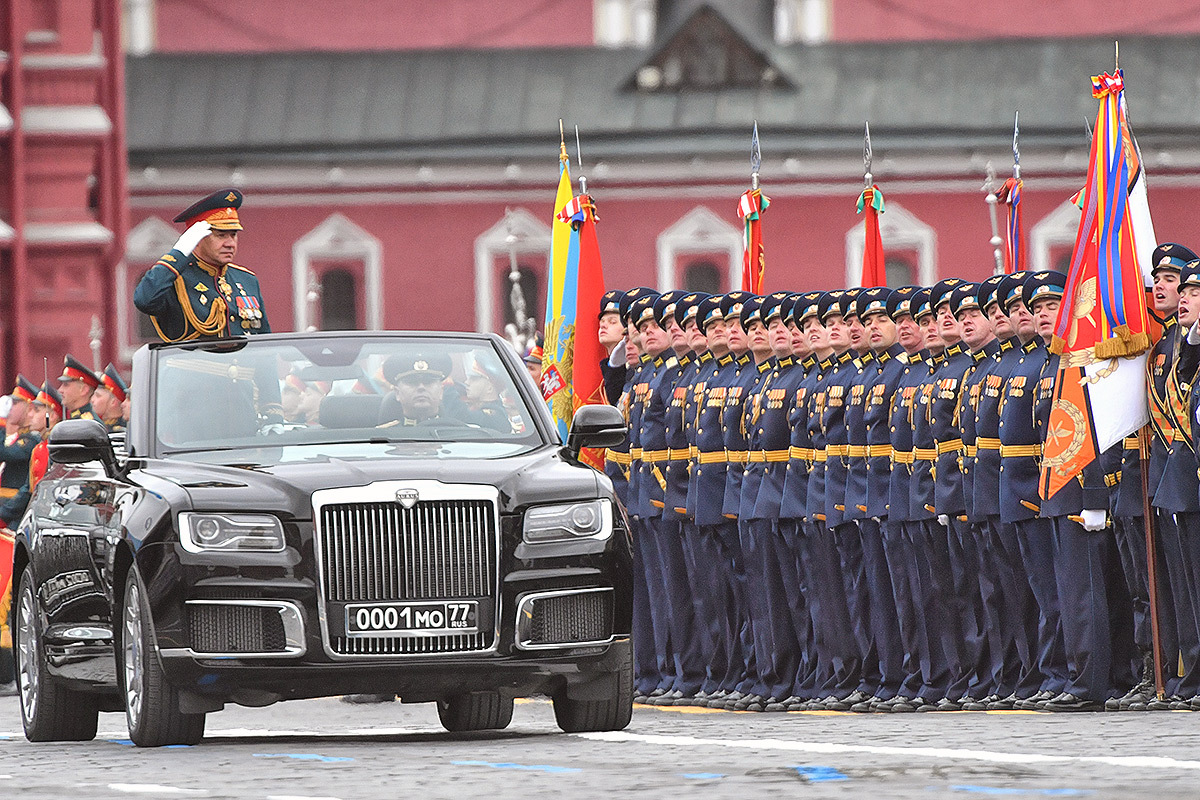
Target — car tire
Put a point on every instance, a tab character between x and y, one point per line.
151	703
50	712
609	714
475	711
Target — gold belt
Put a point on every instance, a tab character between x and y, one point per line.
6	493
842	450
856	451
757	457
902	457
952	446
970	450
654	456
1111	479
635	453
802	453
1020	450
820	456
925	454
693	452
879	450
737	456
682	454
776	456
715	457
984	443
617	457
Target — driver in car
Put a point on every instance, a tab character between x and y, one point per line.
419	386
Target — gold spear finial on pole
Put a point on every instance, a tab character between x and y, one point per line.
563	158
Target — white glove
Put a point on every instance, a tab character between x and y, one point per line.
1194	333
192	237
1094	519
617	357
944	520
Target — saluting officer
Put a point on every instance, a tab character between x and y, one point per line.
1019	502
196	291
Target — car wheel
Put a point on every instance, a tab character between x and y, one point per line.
50	712
609	714
151	704
475	711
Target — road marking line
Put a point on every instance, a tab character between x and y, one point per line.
701	776
818	774
1009	791
509	765
300	797
942	753
306	757
153	788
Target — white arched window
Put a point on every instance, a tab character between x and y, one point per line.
1052	238
518	235
906	241
339	246
697	241
147	242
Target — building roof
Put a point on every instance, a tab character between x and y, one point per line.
505	104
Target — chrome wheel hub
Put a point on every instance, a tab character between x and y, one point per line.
132	647
29	675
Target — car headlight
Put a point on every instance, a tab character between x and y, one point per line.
205	533
591	518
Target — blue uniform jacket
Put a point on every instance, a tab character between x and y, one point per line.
652	484
190	299
814	504
678	448
1178	488
1159	367
968	404
854	498
643	375
943	416
892	364
755	407
734	434
616	459
706	492
774	436
1021	437
985	467
900	418
837	440
800	447
924	447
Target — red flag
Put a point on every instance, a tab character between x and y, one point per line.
1103	328
874	271
754	260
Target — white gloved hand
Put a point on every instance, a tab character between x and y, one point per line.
617	357
1194	333
943	520
192	237
1094	519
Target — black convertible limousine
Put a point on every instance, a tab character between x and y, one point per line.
316	514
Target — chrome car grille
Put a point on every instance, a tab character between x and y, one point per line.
435	550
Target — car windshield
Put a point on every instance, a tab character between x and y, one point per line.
252	394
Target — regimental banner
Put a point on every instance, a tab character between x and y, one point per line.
559	327
1010	195
754	259
1103	329
874	271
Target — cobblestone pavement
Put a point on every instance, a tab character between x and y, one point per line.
326	749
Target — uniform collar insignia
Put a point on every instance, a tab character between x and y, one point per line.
953	350
786	361
658	362
725	359
808	362
684	359
978	355
826	363
764	366
844	357
1007	345
643	358
867	358
885	357
743	360
1031	345
705	357
1170	322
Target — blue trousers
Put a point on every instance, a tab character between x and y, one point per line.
899	668
1187	632
710	569
906	588
651	642
833	630
1036	540
686	651
858	603
1083	597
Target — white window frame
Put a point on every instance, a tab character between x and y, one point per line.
146	243
518	231
337	238
1059	227
700	231
900	229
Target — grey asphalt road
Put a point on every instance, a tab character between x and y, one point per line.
327	749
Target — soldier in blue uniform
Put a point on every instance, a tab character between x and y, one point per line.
1005	596
653	676
196	291
612	334
770	559
616	459
1079	511
949	504
1019	502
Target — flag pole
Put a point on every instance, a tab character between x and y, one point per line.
991	199
1151	560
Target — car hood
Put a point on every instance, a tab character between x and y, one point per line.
539	476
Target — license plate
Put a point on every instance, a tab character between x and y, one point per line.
412	619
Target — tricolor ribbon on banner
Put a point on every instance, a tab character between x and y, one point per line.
754	261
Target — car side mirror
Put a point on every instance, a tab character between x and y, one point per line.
78	441
595	426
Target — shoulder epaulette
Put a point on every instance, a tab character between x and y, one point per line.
240	267
673	361
168	257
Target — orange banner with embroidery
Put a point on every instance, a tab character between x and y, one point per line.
1103	329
